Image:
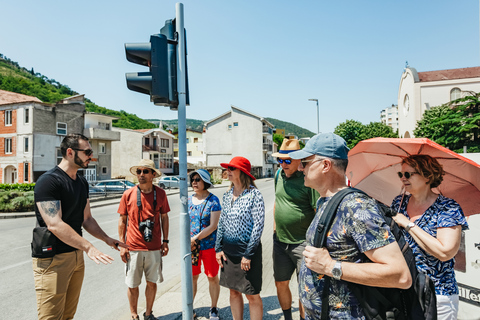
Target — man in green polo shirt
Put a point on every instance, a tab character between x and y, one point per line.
293	212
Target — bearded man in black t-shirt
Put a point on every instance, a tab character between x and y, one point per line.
62	205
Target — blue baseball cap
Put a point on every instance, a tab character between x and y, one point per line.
323	144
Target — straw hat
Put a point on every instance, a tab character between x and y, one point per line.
240	163
145	163
288	145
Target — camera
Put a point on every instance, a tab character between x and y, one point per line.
146	227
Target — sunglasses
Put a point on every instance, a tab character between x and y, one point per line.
145	171
88	152
231	168
287	161
406	174
196	180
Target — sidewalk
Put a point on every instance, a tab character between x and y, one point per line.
168	303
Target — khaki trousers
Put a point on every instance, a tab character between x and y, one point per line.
58	282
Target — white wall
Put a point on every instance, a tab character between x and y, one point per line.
126	153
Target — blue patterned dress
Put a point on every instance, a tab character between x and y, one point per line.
200	219
357	227
443	213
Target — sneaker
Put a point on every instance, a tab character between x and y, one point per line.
136	318
214	314
149	317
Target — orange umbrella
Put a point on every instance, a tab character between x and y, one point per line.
373	165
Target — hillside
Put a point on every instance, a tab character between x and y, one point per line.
17	79
291	128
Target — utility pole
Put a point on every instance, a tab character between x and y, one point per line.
318	119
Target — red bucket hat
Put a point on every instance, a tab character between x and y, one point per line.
240	163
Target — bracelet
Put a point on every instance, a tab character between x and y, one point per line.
166	241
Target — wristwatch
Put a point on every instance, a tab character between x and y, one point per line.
409	226
166	241
337	270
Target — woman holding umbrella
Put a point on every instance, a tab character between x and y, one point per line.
238	246
433	225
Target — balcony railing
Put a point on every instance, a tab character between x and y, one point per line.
267	130
267	147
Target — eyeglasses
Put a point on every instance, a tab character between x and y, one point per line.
145	171
287	161
305	162
231	168
406	174
88	152
196	180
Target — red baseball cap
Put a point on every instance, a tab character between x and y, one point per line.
240	163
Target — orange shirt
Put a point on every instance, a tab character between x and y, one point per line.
128	206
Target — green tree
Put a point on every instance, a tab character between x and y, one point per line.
453	125
354	131
278	139
351	131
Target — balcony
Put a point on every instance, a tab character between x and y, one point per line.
267	130
267	147
101	134
152	148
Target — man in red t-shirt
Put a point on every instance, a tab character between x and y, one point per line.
146	226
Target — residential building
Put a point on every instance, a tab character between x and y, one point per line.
126	153
157	145
420	91
195	147
240	133
98	129
291	136
279	131
389	116
31	132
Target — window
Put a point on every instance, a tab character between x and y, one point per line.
61	128
8	145
25	172
102	148
188	140
25	145
455	94
235	124
59	156
104	170
195	140
229	127
8	117
147	141
26	118
164	143
189	153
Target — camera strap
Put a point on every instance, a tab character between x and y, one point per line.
139	203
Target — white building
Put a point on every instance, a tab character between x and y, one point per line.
126	153
420	91
240	133
157	146
389	116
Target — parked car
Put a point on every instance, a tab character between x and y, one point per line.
114	186
167	182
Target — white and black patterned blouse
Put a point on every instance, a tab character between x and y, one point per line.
241	223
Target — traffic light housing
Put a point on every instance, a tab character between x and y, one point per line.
155	82
160	55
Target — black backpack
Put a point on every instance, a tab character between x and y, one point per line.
416	303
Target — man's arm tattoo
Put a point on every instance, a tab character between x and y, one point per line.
50	208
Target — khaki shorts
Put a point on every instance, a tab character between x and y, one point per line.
148	262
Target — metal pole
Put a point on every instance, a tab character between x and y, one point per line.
187	283
318	119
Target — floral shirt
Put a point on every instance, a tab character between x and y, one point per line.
200	219
357	227
241	223
443	213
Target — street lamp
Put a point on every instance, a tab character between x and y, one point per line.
318	119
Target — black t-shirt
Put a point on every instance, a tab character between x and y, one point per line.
56	184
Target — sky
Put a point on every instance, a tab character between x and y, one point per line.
266	57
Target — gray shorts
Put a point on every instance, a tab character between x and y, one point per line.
148	262
286	259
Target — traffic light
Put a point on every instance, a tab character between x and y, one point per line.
156	82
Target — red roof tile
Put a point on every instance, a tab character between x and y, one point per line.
7	97
450	74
